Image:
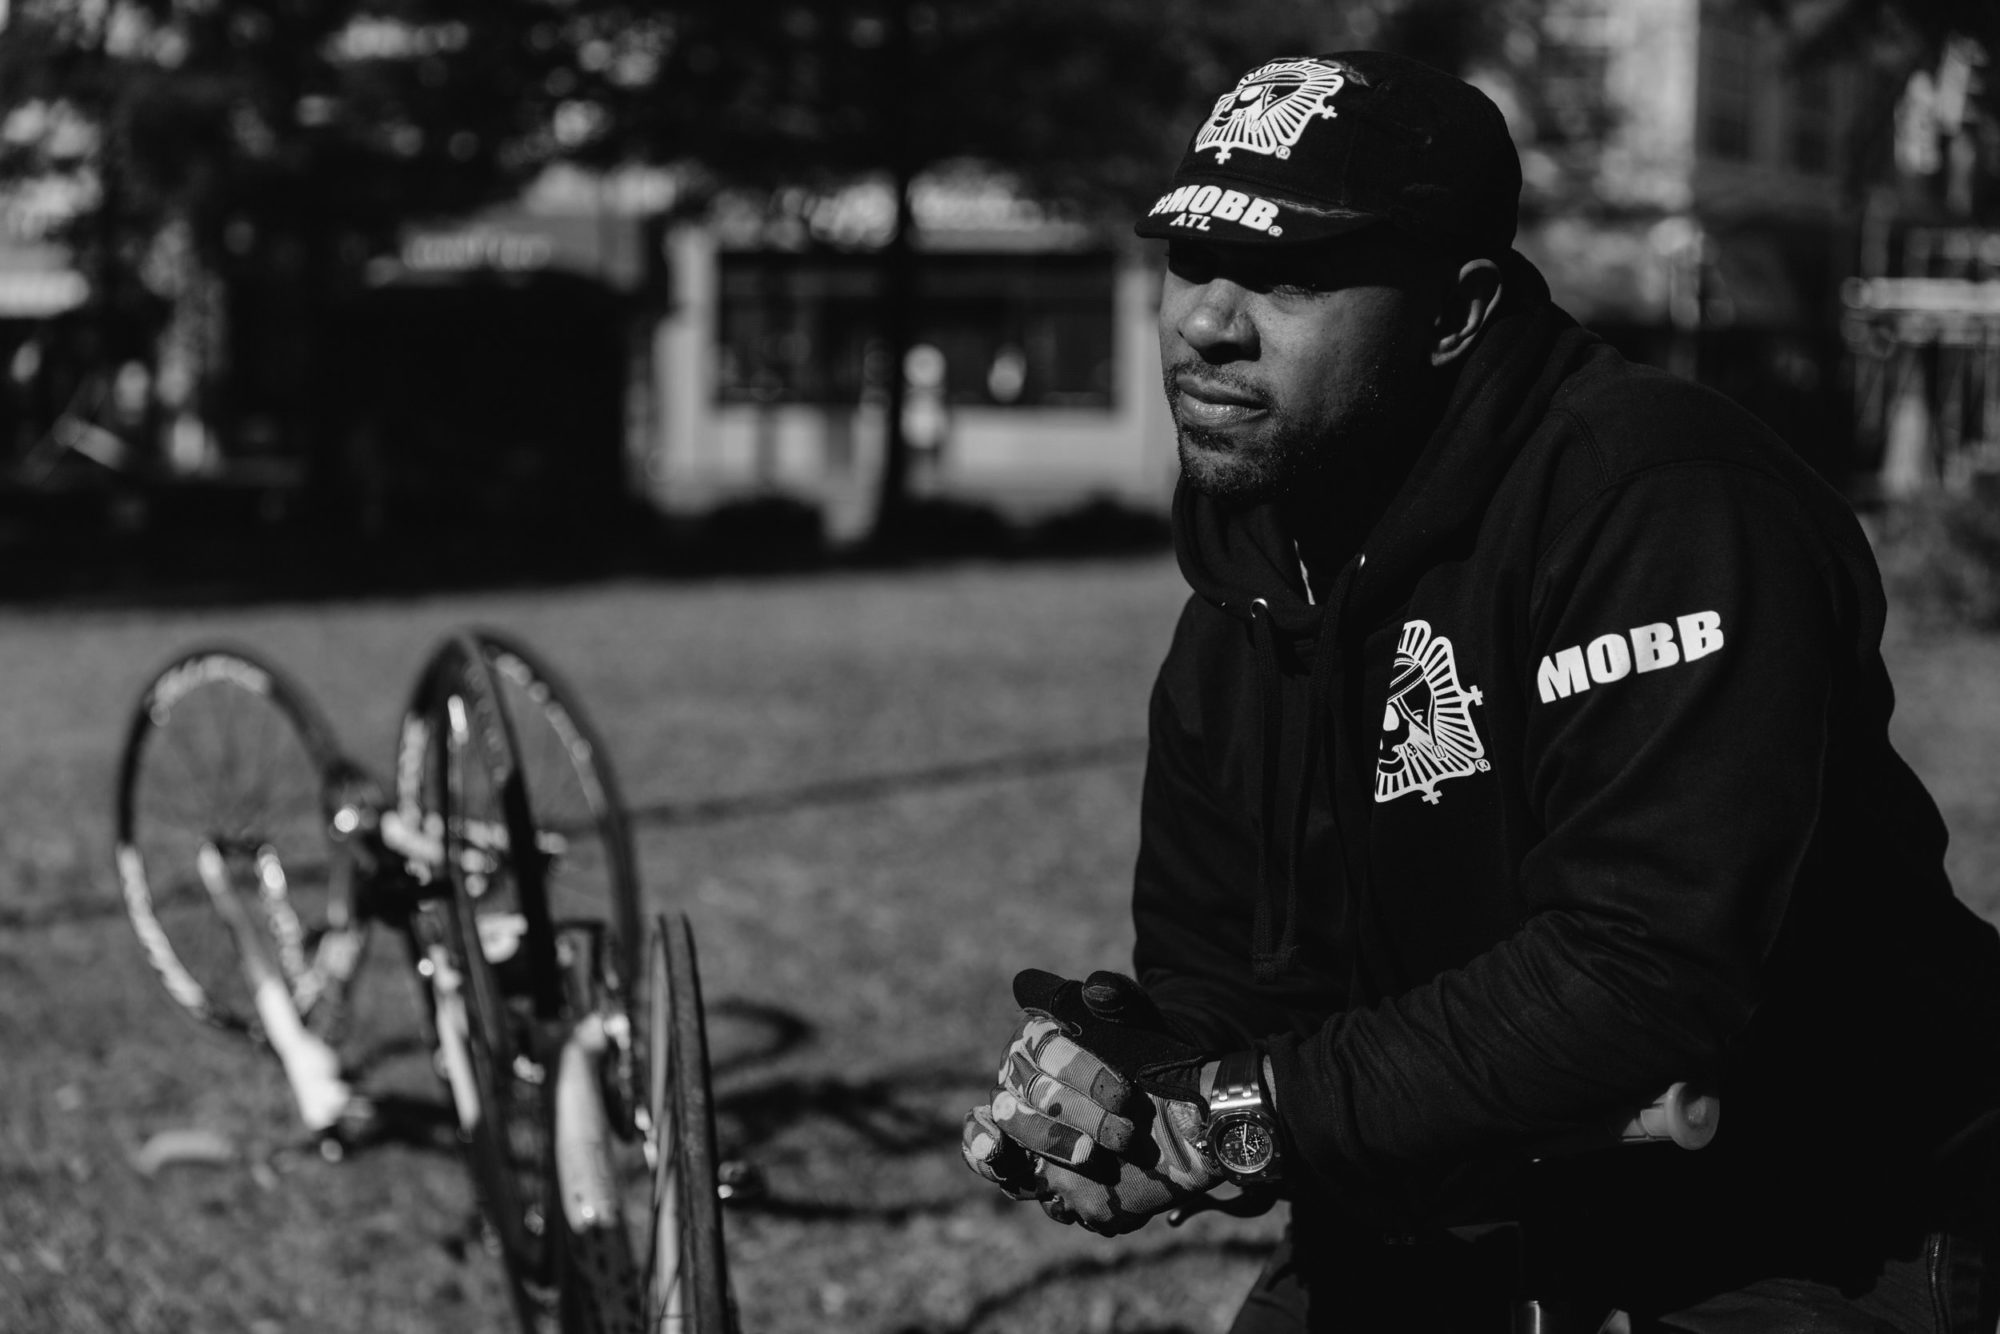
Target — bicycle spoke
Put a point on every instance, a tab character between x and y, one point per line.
225	751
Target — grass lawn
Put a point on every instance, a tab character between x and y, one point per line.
857	938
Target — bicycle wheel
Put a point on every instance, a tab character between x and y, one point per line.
502	953
589	872
687	1279
224	749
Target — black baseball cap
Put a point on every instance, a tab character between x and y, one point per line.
1308	147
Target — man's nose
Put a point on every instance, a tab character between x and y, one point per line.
1217	323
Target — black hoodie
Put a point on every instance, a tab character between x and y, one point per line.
1575	781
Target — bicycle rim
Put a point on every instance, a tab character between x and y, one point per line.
590	873
225	749
687	1284
503	952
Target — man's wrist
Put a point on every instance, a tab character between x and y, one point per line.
1241	1130
1270	1082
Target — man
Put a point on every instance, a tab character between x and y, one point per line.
1522	752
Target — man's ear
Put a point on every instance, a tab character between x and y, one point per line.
1469	302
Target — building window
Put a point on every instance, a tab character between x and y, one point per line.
1014	330
1728	47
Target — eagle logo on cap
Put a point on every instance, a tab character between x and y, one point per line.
1427	731
1268	111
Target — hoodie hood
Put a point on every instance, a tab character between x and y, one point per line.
1232	556
1245	561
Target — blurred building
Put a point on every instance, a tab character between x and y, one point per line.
1032	383
568	353
1923	310
1684	192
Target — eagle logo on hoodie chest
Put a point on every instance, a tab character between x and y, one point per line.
1428	736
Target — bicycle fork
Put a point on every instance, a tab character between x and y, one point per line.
585	1171
454	1034
311	1065
603	1286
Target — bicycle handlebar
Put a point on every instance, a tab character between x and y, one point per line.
1681	1115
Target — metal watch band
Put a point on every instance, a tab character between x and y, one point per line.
1241	1134
1236	1083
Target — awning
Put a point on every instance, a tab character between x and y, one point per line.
567	222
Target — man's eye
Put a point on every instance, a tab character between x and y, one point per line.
1303	287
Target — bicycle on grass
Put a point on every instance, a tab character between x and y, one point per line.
255	856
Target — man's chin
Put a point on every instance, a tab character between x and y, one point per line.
1231	476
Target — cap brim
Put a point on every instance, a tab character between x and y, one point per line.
1226	214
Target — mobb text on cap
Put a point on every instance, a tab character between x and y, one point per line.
1308	147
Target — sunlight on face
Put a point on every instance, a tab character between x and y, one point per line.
1289	368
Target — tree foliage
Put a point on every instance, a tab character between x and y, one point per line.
289	137
1901	34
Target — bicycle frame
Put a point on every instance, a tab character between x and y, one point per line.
287	987
311	1065
585	1168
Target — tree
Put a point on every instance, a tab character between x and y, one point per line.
204	147
1895	40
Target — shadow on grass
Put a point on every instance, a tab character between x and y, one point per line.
410	1122
894	1116
874	787
1090	1268
777	1031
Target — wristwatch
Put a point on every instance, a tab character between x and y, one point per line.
1241	1133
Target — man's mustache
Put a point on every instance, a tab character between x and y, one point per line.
1223	381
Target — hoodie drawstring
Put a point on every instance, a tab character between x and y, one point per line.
1266	960
1279	871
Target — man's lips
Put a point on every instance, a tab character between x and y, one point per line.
1212	403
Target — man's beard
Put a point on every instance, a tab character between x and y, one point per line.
1292	459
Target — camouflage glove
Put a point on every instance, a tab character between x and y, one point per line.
1102	1090
1160	1169
987	1151
1003	1159
1078	1070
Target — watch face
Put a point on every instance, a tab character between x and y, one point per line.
1245	1146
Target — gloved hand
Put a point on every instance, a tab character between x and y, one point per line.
1099	1086
987	1151
1077	1070
1160	1168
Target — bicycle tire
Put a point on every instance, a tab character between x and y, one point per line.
687	1277
577	796
226	748
591	873
509	973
